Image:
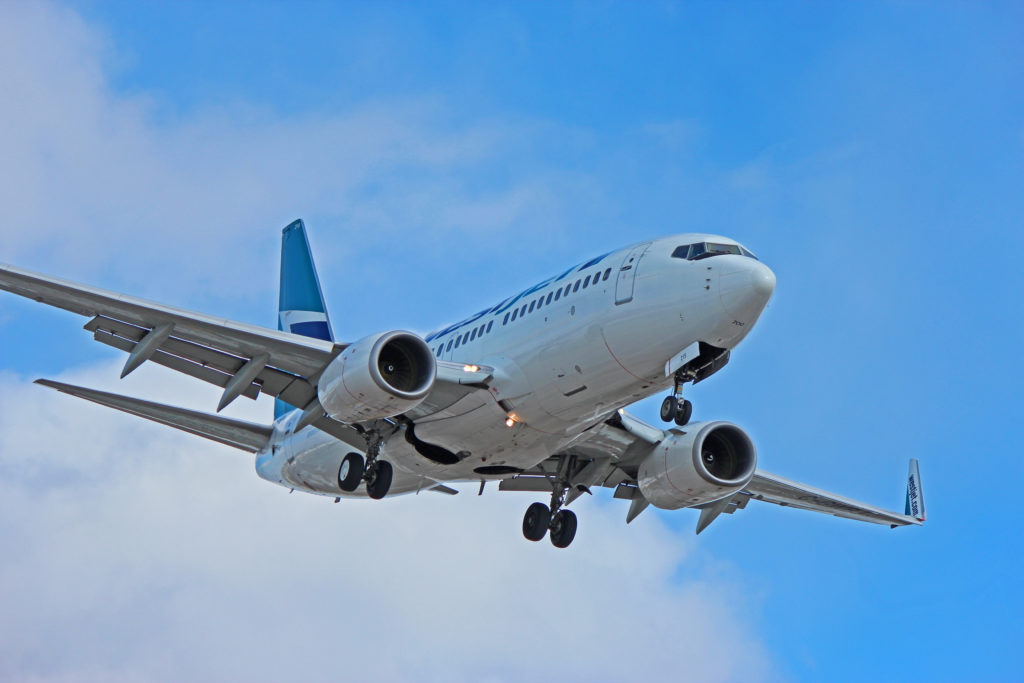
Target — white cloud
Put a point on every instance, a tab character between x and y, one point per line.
134	552
91	177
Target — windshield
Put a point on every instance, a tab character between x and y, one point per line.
702	250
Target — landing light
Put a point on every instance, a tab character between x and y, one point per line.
510	421
471	368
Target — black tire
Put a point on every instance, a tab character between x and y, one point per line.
563	528
668	408
380	480
350	474
684	413
535	521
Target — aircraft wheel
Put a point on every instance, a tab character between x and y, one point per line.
351	472
684	413
668	408
563	528
535	521
379	481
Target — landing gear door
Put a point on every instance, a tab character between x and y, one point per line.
627	274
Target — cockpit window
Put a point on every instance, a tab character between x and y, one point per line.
702	250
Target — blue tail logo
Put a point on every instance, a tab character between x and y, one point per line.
301	308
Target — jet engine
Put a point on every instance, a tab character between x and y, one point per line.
380	376
708	461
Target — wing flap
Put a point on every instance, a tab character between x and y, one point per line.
204	363
182	365
236	433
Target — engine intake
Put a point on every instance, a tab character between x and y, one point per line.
708	461
380	376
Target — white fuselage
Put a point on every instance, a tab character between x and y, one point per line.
565	356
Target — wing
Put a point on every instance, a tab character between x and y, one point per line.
244	360
774	489
609	455
212	349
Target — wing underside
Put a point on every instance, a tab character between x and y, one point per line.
609	454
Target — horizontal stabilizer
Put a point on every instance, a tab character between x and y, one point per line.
236	433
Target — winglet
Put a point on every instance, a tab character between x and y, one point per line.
915	493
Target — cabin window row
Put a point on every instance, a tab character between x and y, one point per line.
537	304
540	302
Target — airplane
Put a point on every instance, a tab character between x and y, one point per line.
530	392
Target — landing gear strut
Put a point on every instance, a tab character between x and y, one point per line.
376	473
540	518
675	407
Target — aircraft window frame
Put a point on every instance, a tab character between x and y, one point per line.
505	321
440	350
515	314
540	302
607	274
558	294
457	340
548	302
474	335
489	326
522	311
682	251
449	348
568	288
586	282
576	287
532	303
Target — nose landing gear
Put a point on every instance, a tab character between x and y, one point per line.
675	408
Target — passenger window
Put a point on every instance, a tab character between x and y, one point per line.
532	304
548	302
474	335
522	311
681	252
515	313
607	274
576	288
568	288
505	321
439	350
457	340
586	282
558	294
449	348
489	326
540	302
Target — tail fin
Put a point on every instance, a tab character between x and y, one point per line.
301	309
915	494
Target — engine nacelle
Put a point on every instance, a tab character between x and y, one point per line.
377	377
707	461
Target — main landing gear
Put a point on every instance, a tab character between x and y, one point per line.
675	408
376	473
540	519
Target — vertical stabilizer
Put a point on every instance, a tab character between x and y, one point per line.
915	494
301	308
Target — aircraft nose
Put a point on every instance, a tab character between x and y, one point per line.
746	285
762	281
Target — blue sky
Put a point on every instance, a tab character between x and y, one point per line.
446	156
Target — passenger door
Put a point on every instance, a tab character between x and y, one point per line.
627	274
